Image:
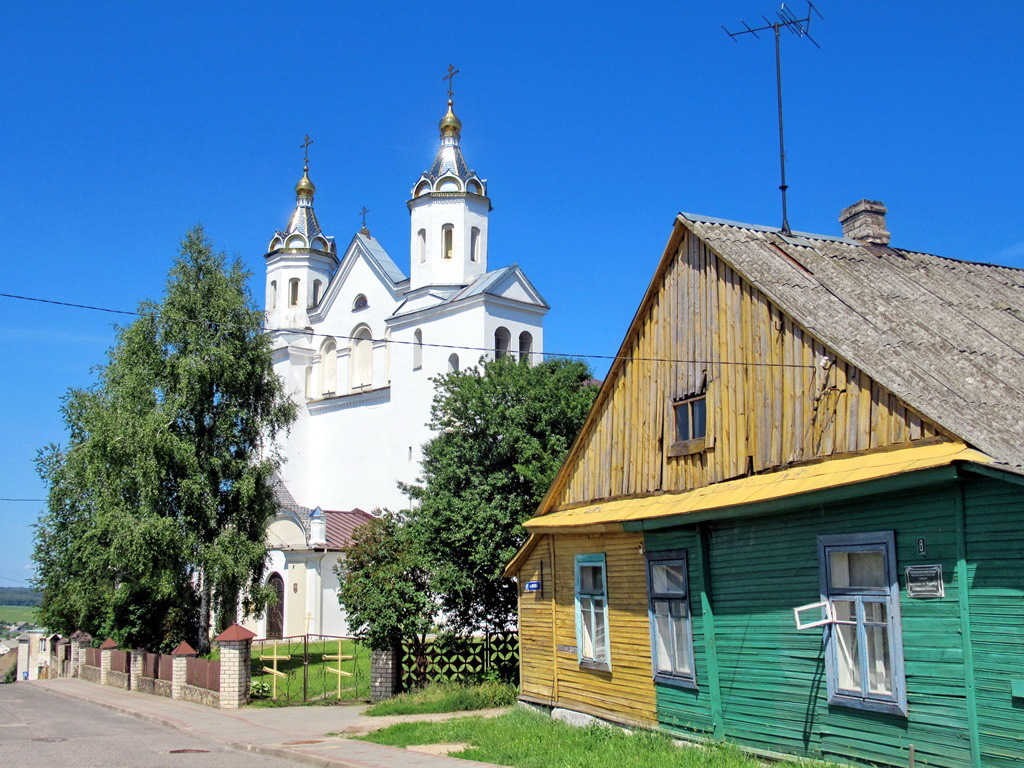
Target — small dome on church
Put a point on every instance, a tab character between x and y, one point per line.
450	125
305	187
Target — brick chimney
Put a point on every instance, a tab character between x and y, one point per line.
865	221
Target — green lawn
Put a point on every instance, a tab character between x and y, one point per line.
322	685
527	739
15	614
447	697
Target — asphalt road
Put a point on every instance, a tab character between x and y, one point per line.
40	730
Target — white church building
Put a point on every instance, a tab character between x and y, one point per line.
357	342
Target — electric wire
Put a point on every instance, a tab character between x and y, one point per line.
310	332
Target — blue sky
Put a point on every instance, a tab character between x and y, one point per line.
594	123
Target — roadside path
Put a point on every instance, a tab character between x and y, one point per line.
294	733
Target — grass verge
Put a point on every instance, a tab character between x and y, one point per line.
447	697
527	739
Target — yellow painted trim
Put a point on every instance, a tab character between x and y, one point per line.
757	488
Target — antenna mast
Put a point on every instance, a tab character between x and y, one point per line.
801	28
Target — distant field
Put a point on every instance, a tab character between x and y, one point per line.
12	614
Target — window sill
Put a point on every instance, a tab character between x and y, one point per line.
868	705
687	447
600	666
673	680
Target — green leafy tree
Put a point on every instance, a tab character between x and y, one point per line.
385	585
503	430
159	502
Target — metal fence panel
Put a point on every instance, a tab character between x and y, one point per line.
307	668
462	660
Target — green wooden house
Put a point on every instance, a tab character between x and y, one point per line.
794	519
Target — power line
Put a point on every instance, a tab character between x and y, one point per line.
22	499
310	332
15	581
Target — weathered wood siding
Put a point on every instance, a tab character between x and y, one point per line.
995	551
772	677
536	625
626	693
759	416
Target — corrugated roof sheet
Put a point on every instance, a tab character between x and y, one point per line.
341	524
767	487
945	336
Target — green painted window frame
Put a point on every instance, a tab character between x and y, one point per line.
592	560
889	595
682	599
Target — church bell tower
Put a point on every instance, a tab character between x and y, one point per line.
448	212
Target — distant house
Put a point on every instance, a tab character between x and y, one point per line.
840	431
6	646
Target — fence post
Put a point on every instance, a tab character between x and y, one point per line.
385	673
74	653
135	668
235	665
179	663
84	642
105	649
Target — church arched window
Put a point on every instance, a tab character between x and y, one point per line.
525	346
361	359
448	241
310	394
328	367
318	286
453	362
360	303
502	339
417	350
272	295
421	244
474	244
293	292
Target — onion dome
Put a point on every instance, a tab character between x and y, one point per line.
450	125
449	172
303	232
305	187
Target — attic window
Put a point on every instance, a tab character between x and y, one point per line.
689	425
360	303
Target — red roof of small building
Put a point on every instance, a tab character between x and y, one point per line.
184	649
108	644
341	524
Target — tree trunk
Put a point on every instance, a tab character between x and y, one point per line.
203	641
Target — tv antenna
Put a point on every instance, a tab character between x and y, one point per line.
801	28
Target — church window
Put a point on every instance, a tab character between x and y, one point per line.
502	339
361	361
329	367
360	303
453	362
272	295
474	187
525	346
422	188
417	350
318	287
448	241
293	292
474	244
310	394
421	244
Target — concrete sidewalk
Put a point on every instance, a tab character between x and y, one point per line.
293	733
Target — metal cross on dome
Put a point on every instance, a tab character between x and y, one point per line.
450	77
363	213
305	147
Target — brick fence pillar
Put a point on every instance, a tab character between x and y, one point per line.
135	665
385	673
105	649
235	651
179	663
75	655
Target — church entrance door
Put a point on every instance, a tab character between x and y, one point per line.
275	613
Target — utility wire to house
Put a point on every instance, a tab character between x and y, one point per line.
312	333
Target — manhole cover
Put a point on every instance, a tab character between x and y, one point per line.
302	741
187	751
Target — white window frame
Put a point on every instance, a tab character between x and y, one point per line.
889	596
671	557
592	560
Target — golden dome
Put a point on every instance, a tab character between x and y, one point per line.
305	187
450	125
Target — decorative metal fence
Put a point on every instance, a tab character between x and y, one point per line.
458	660
308	668
119	661
203	673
